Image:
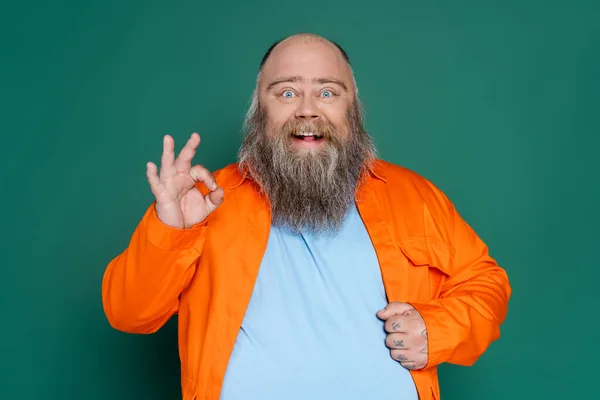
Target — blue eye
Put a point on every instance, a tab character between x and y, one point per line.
327	94
288	94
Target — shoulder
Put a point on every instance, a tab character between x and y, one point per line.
402	181
227	177
390	171
396	175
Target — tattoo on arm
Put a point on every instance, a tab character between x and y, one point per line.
424	333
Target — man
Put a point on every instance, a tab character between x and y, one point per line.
309	268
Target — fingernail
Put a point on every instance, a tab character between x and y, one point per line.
214	185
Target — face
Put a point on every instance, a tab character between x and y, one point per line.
305	144
306	87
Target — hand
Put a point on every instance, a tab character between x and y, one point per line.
179	203
407	335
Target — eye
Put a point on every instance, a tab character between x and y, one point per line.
327	94
288	94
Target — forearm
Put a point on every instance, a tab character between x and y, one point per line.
141	286
465	321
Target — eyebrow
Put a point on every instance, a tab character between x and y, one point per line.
296	79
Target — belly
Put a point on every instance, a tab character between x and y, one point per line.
293	358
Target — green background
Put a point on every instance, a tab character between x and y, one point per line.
496	102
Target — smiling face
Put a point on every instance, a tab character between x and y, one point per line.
307	88
305	144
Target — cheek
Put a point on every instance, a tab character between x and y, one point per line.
278	116
339	119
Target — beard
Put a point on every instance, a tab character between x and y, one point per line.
308	190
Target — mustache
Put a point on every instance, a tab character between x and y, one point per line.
319	127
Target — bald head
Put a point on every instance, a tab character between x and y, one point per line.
306	36
307	53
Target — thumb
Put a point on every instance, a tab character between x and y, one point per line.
214	199
394	308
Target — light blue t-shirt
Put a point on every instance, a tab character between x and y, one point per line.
311	331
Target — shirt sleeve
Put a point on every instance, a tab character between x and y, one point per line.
466	317
141	286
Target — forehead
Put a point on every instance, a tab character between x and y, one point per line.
307	59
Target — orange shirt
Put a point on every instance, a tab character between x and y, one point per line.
428	255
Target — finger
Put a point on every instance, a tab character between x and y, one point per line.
401	355
396	324
167	159
398	341
214	199
151	174
408	359
412	365
184	160
201	174
394	308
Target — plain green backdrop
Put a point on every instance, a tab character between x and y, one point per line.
496	102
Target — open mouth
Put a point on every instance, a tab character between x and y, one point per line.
308	136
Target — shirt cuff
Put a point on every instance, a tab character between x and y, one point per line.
166	237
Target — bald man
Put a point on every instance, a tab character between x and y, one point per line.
309	269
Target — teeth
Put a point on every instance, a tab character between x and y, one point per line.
307	134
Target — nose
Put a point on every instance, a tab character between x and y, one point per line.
307	109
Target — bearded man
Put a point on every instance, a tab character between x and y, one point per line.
309	269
